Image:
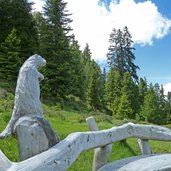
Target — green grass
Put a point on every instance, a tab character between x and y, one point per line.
70	124
68	121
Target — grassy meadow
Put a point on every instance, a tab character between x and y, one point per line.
66	121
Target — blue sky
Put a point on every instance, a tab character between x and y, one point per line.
149	22
155	60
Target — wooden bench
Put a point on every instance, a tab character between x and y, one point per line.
61	156
141	163
145	162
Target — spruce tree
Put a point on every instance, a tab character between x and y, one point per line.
142	90
162	99
162	105
102	85
41	28
86	63
124	108
93	82
168	107
55	47
150	110
159	90
77	72
93	98
10	57
17	14
169	97
113	90
86	55
120	52
109	86
130	90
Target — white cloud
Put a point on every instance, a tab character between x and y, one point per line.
167	88
38	4
143	19
93	24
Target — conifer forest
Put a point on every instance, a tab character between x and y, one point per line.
71	74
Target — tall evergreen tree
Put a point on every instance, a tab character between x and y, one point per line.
77	72
86	62
93	88
162	105
41	28
157	90
55	43
10	60
150	110
109	87
130	90
104	74
93	82
124	108
113	90
142	88
102	85
120	52
17	14
168	107
162	99
86	55
169	97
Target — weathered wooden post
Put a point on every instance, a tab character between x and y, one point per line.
101	155
34	135
144	146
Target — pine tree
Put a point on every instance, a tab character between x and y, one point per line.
86	62
162	99
159	90
10	59
150	110
17	14
142	88
113	90
41	28
109	86
124	109
168	107
102	87
169	97
142	91
128	53
86	55
120	52
93	82
162	105
55	47
78	73
5	20
93	98
130	90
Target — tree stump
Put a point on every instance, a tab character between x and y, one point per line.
34	135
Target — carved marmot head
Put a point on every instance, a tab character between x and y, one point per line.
37	60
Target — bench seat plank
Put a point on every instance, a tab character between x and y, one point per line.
160	162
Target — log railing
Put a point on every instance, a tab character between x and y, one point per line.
61	156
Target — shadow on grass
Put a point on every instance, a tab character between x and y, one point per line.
128	147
